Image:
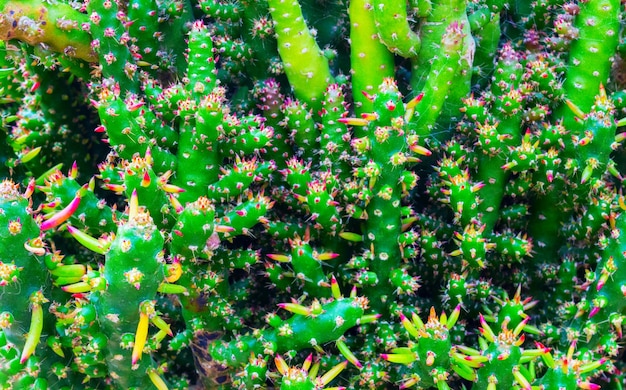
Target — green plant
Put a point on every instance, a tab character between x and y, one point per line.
273	193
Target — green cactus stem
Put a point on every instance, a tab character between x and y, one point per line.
54	24
589	61
26	284
437	85
133	271
371	61
107	24
442	71
393	28
331	321
305	65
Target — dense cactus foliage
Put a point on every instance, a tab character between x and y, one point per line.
308	194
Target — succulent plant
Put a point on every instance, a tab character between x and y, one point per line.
273	194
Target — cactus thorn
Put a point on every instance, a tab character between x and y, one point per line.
87	241
156	380
141	335
333	372
175	203
345	351
79	287
575	109
368	96
585	385
279	257
36	326
281	365
295	308
354	121
334	287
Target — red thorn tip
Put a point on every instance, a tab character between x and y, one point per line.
145	182
413	102
368	96
594	311
135	106
100	129
62	215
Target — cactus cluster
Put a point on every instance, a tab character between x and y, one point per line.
312	194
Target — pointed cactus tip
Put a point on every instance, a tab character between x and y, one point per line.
141	336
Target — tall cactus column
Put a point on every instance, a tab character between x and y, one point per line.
125	297
385	148
370	59
24	284
305	65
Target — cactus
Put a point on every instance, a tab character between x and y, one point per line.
305	194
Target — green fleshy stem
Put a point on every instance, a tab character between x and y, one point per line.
393	28
198	156
300	123
439	82
125	135
57	25
589	64
108	28
306	263
247	214
436	31
23	272
606	295
296	333
322	205
507	77
145	30
487	39
387	138
503	359
133	272
234	181
335	137
305	65
201	71
370	60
